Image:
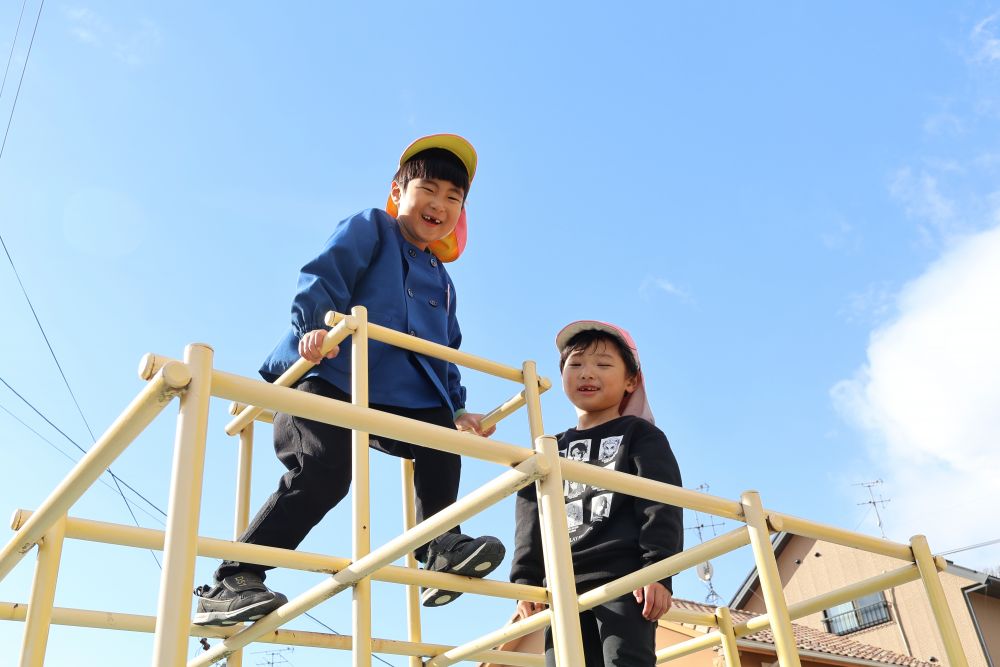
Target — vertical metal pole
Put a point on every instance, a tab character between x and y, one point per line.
412	591
730	651
43	592
566	637
244	464
362	606
939	605
770	581
173	615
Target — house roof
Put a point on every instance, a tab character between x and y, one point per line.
815	641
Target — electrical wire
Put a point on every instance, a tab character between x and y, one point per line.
75	444
969	548
13	43
21	80
68	456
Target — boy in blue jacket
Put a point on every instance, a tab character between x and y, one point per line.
391	262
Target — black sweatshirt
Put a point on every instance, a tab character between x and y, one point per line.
610	534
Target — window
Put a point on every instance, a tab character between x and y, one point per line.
857	615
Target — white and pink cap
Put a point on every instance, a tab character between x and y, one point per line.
634	404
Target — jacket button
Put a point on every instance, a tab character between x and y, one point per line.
434	261
434	303
412	332
409	291
413	253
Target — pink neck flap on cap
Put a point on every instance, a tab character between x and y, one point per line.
634	404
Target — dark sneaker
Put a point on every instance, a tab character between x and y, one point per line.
236	599
460	554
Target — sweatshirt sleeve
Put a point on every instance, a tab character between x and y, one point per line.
327	281
661	528
527	566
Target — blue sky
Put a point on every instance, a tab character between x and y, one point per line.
793	209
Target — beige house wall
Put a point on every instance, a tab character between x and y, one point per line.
665	636
809	567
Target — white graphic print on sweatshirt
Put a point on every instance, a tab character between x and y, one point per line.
588	507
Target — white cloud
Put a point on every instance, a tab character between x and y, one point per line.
929	396
652	283
985	41
133	48
922	198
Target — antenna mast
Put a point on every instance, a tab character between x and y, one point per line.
875	503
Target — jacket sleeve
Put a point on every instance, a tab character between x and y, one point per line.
456	392
327	281
661	528
527	566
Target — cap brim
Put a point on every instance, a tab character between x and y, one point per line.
462	149
572	329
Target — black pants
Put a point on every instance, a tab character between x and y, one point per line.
614	634
318	458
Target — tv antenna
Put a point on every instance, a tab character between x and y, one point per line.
705	570
274	657
875	503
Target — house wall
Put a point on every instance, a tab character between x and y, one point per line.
809	567
667	637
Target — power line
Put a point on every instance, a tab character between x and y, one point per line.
21	80
13	42
75	444
969	548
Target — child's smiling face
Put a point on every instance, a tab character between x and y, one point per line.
595	380
429	209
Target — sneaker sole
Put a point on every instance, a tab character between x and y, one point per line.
246	614
483	560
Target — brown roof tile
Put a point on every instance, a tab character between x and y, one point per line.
811	639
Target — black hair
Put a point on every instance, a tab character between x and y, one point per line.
437	163
583	341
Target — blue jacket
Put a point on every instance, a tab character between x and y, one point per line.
367	262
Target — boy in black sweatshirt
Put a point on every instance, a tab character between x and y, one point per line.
610	534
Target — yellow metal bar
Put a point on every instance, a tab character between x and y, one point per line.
640	487
490	493
147	538
567	639
244	468
412	592
557	557
688	647
318	408
846	538
333	337
510	406
139	413
939	605
729	649
12	611
183	509
244	465
427	348
858	589
713	548
266	416
361	653
770	580
43	592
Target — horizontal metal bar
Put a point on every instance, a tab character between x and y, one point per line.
330	411
846	538
631	485
208	547
427	348
266	416
104	620
155	396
